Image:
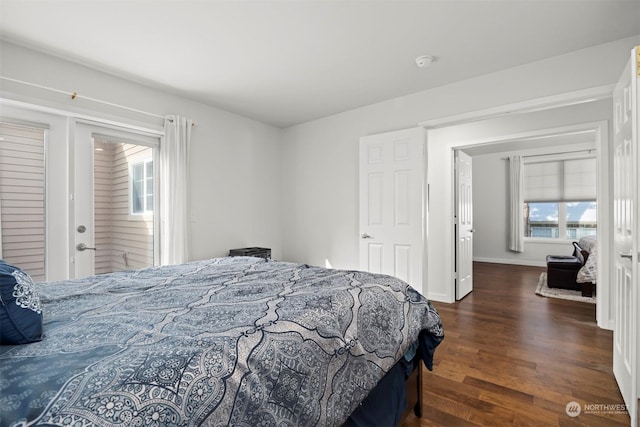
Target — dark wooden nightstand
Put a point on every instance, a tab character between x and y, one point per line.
255	252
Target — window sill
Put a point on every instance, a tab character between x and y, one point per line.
541	240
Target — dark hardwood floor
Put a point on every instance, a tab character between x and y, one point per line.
511	357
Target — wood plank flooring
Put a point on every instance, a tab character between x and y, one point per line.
511	357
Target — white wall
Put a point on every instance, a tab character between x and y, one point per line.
235	161
253	184
320	188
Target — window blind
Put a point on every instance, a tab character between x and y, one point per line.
571	180
22	183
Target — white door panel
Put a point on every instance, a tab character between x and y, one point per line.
626	197
391	200
112	226
464	224
82	199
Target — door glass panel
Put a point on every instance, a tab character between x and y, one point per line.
124	217
22	198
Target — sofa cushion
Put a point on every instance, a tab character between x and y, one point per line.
20	309
565	262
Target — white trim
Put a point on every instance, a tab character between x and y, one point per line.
564	130
552	157
145	215
528	106
151	141
548	241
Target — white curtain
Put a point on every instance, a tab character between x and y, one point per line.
516	175
174	190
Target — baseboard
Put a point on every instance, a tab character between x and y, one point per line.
606	325
439	298
531	263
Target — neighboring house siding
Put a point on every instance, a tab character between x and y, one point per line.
102	169
22	215
123	241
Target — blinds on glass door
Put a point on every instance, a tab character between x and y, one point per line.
571	180
22	196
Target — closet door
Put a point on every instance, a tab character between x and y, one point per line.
391	204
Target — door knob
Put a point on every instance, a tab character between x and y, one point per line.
82	247
365	236
629	255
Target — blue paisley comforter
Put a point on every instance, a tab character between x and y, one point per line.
227	341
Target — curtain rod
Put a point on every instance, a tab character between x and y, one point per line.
554	154
75	95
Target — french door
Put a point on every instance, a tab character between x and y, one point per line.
464	224
113	192
22	197
626	234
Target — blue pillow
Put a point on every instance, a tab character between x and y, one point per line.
20	310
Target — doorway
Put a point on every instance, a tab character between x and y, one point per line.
114	224
442	142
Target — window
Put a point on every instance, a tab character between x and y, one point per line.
142	187
571	220
560	197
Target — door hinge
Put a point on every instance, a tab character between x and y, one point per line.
638	60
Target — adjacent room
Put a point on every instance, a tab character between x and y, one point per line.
328	213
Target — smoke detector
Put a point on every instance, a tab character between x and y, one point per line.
424	61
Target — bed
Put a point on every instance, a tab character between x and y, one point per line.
228	341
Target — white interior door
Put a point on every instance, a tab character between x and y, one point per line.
463	224
625	169
114	199
391	204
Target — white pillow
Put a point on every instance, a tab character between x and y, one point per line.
588	271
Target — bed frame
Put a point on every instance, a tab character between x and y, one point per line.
414	394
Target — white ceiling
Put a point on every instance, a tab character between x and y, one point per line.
287	62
